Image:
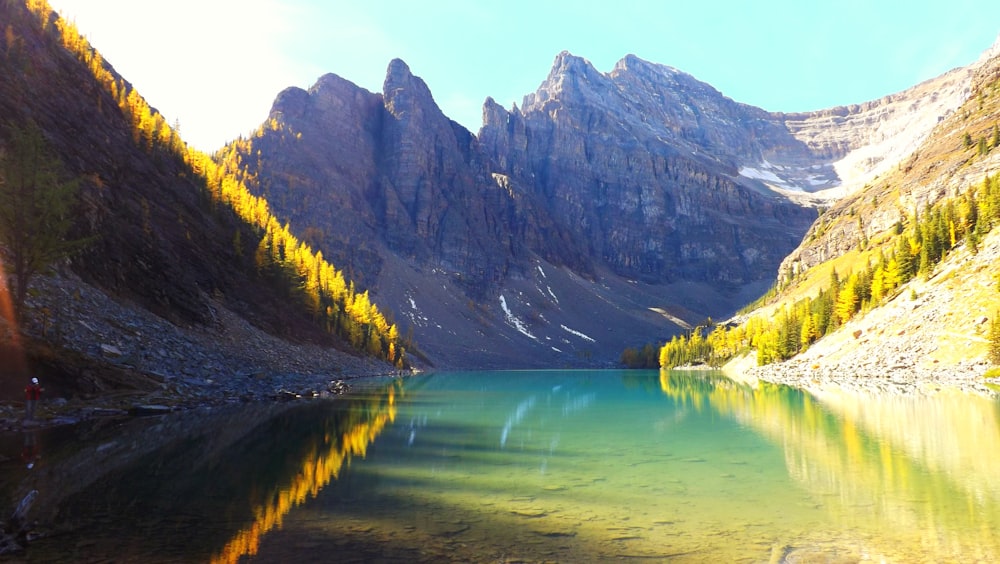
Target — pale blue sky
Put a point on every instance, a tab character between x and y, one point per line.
215	66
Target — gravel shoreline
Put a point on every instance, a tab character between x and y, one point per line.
901	379
153	362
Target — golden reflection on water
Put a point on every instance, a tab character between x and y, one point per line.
319	467
829	474
916	473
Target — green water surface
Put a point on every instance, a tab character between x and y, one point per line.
569	466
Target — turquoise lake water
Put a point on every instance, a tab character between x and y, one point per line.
563	466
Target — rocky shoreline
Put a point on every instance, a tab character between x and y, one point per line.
931	336
867	378
119	359
276	388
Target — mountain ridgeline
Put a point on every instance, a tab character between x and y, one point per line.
606	210
882	260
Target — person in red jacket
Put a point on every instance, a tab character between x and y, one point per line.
32	393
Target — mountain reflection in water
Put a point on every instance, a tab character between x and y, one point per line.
548	465
192	486
334	443
920	465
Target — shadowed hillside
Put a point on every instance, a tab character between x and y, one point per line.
170	233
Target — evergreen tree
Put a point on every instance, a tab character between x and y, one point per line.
972	241
649	356
36	198
994	339
808	334
878	285
822	309
847	300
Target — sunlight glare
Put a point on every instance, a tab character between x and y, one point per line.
10	335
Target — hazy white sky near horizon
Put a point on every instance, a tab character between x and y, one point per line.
215	66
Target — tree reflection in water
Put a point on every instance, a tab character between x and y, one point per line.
920	466
342	438
192	486
561	465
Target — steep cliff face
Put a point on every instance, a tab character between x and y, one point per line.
435	200
642	179
644	163
863	141
371	174
912	154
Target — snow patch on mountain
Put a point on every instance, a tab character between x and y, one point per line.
415	315
513	321
811	179
577	333
763	175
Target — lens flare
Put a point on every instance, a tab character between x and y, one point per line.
11	352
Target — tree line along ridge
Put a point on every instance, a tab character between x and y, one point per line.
914	246
314	282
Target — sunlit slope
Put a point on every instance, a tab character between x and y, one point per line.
939	317
956	156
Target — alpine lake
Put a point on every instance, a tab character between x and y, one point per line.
525	466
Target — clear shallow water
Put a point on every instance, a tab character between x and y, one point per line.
545	466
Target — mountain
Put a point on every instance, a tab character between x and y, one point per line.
608	210
643	164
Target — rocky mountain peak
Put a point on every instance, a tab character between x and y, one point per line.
493	112
331	84
628	61
290	104
658	73
991	53
398	72
572	78
331	96
405	92
568	63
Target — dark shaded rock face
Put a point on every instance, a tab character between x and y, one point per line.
644	163
434	199
637	171
550	237
633	175
374	173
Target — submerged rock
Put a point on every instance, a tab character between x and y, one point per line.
285	395
142	410
338	387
